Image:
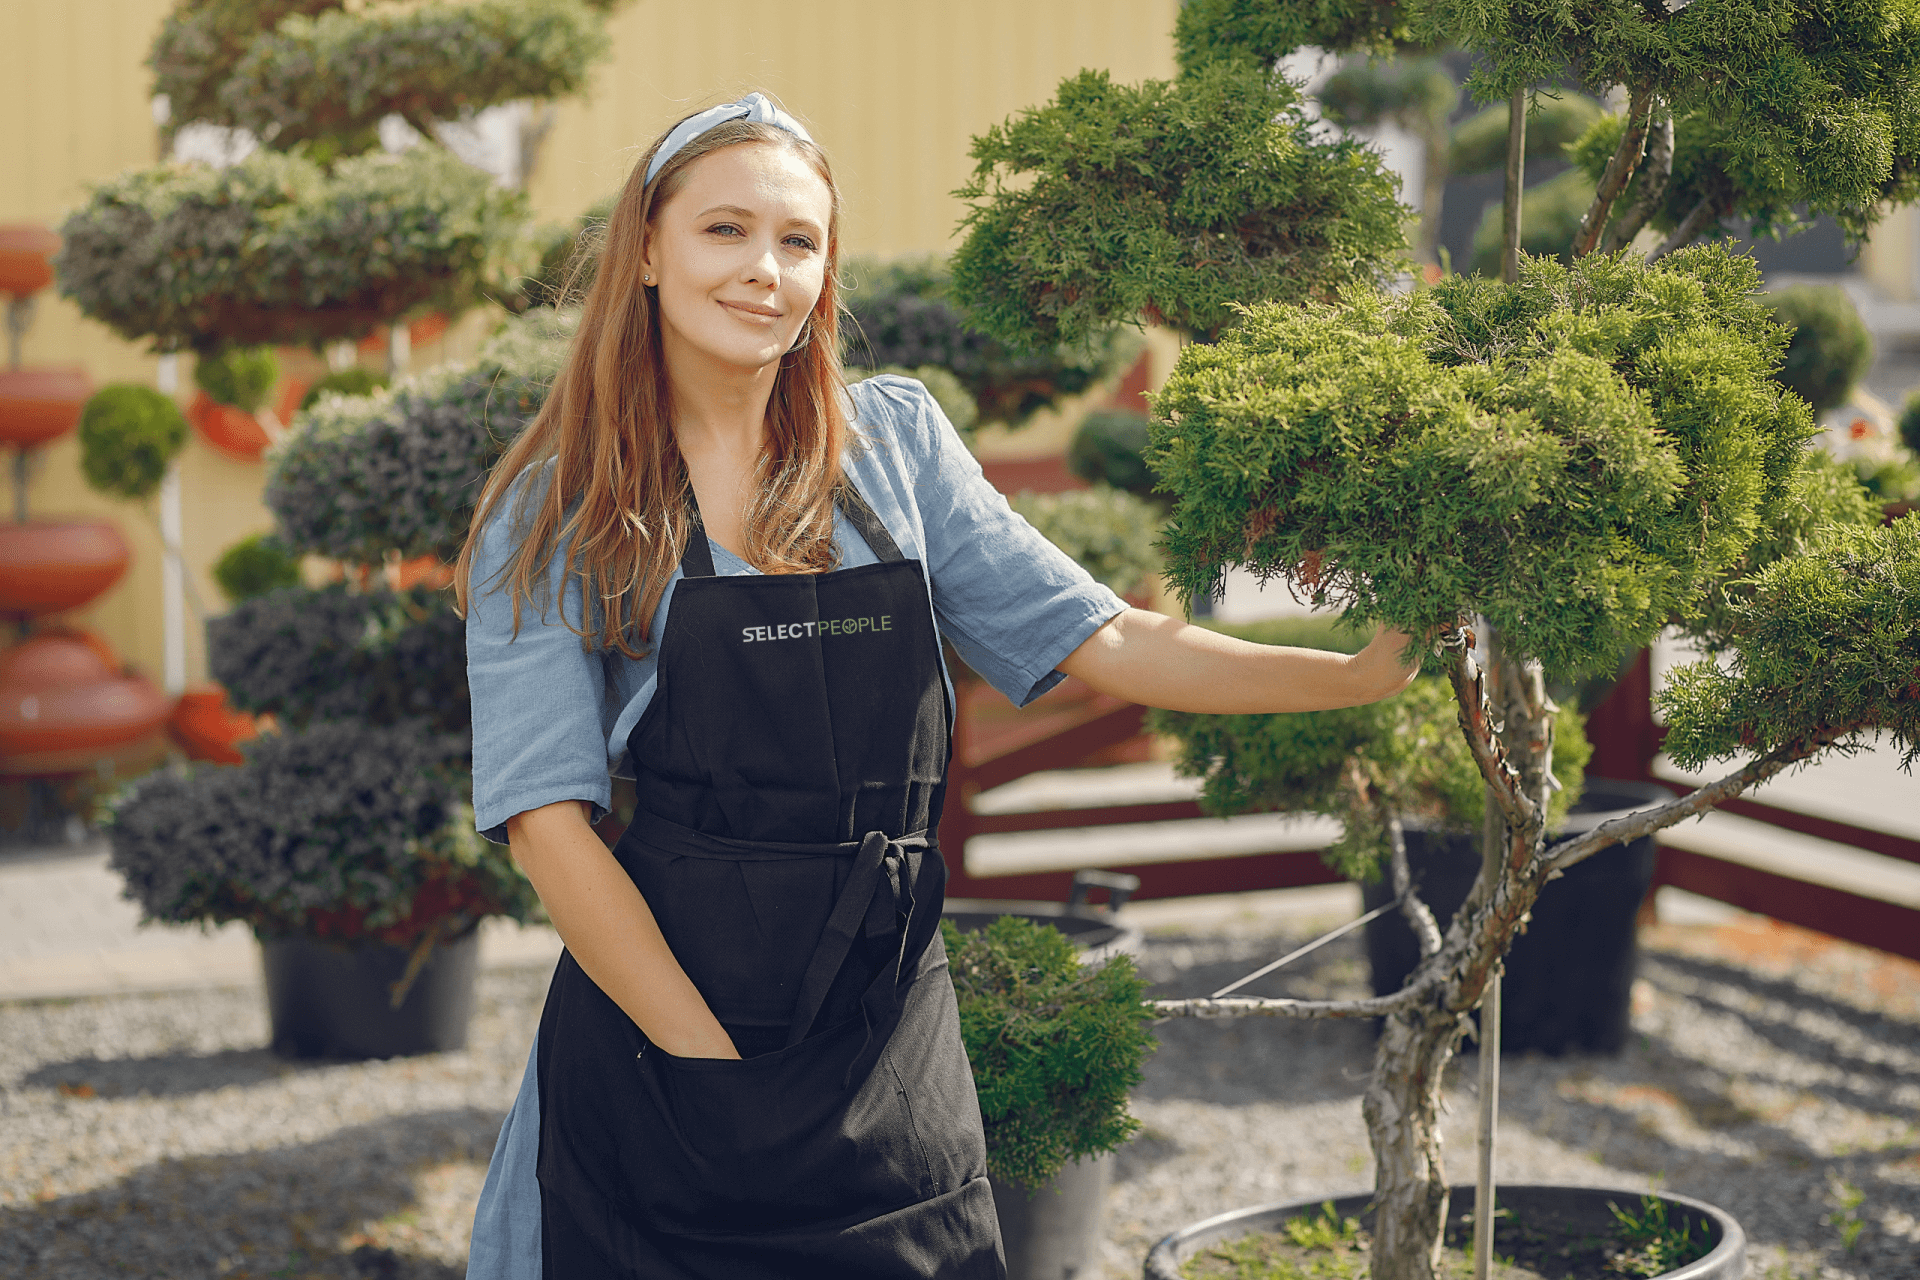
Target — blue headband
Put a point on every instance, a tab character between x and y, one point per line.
755	106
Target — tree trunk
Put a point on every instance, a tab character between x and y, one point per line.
1402	1110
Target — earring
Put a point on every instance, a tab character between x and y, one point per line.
646	279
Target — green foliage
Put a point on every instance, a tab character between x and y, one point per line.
1108	531
1800	102
1751	195
128	436
201	41
1910	423
1576	457
569	260
306	655
1407	751
336	73
1419	93
341	831
277	249
353	381
1107	449
355	478
1323	1247
1172	202
254	566
902	315
1549	217
1261	32
1553	126
1822	499
946	389
1831	348
1827	643
1055	1044
1654	1244
239	376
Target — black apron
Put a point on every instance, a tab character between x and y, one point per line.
789	770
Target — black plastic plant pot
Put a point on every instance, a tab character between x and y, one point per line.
334	1000
1573	1214
1568	986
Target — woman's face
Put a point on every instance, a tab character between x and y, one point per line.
738	255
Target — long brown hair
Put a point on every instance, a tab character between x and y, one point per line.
606	431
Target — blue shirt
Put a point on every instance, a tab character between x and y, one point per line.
551	719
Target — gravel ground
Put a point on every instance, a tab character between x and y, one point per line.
1774	1073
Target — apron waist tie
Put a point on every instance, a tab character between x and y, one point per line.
862	908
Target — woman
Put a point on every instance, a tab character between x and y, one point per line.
712	564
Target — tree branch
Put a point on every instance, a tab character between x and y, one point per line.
1619	171
1702	216
1653	182
1418	914
1469	682
1375	1007
1695	802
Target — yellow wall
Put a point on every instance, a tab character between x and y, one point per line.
892	88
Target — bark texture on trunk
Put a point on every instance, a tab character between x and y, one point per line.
1402	1110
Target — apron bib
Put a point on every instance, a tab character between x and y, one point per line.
790	769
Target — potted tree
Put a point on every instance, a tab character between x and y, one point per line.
1533	475
1055	1042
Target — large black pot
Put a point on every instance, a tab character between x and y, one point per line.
1568	984
1053	1232
1574	1211
333	1000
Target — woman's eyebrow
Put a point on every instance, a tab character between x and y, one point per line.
734	210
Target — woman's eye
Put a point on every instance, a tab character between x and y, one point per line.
724	228
802	242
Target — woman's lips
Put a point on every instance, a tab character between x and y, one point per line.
747	309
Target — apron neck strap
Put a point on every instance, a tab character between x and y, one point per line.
696	559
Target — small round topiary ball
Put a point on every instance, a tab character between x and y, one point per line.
239	376
128	436
254	566
1910	423
1831	348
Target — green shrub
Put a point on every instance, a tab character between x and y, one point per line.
254	566
1108	531
337	72
1910	423
1262	32
353	381
1576	457
1107	450
1408	749
129	434
569	260
1054	1045
902	315
1831	348
307	655
1171	202
343	831
356	478
239	376
277	249
1553	126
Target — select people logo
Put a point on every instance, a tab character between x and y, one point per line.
808	630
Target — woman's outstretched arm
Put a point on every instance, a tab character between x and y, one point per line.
1159	661
611	931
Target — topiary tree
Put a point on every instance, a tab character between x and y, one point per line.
1419	95
1532	476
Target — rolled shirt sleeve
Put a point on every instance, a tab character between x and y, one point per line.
537	732
1011	603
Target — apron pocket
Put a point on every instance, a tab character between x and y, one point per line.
775	1141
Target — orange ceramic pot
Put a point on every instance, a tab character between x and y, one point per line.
26	257
206	728
63	708
423	571
50	566
36	405
234	432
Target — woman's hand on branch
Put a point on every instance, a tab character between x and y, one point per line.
1162	662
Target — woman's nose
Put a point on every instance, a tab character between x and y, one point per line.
763	267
